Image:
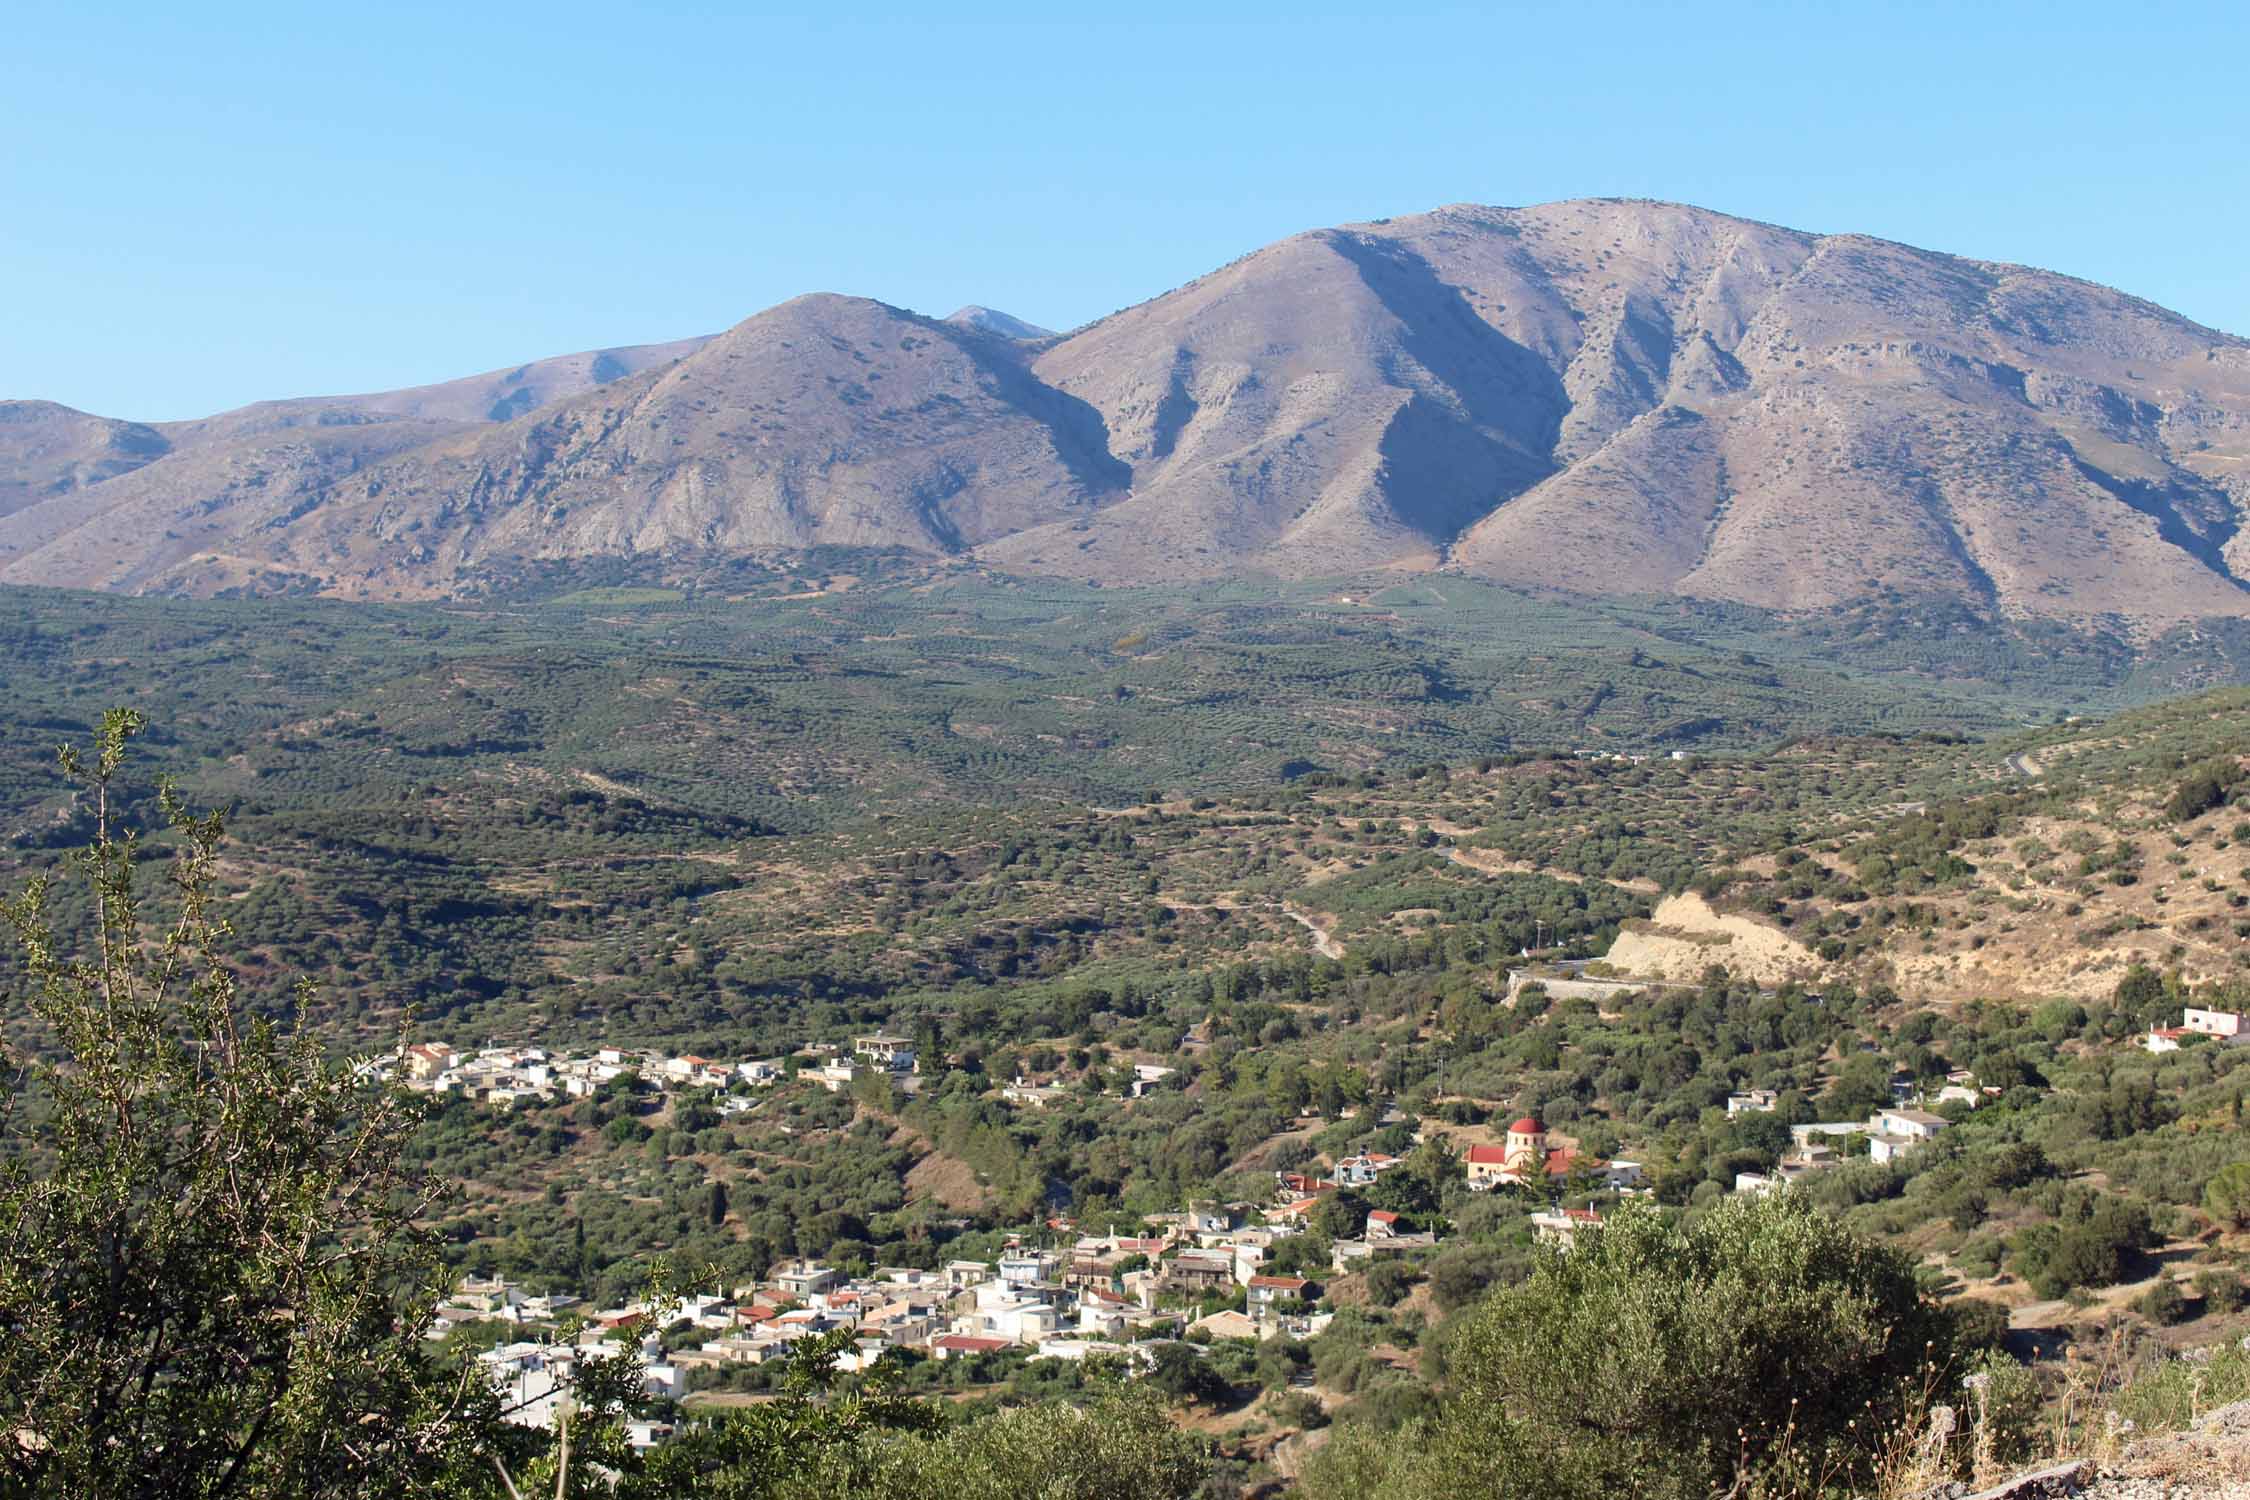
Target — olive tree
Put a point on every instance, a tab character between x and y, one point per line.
2226	1197
1668	1356
1120	1446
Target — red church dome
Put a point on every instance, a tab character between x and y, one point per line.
1527	1126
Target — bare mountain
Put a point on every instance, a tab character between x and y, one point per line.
1604	396
827	420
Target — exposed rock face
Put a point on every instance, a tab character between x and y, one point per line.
1684	937
1604	396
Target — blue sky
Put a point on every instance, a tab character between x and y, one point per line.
202	206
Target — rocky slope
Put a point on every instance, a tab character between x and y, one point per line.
1603	396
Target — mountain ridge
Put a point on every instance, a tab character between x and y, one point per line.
1604	396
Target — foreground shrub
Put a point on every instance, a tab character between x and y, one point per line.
1121	1447
1665	1358
213	1274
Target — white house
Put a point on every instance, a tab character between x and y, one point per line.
1561	1226
1038	1096
2226	1024
1884	1147
802	1279
1147	1075
1104	1316
1249	1260
2227	1027
966	1273
1209	1218
895	1053
1916	1125
1264	1291
1021	1321
1359	1171
1026	1266
1077	1348
530	1379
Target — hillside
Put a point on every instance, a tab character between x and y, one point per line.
1608	397
479	813
759	822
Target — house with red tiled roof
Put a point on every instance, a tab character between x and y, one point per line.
1560	1226
1226	1324
1486	1165
425	1060
1301	1185
1526	1155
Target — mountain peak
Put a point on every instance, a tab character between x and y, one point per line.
992	320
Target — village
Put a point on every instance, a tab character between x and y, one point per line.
1199	1277
503	1077
1209	1273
